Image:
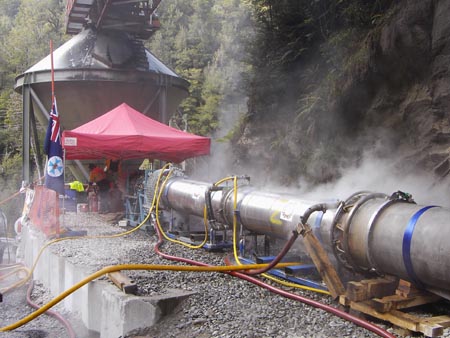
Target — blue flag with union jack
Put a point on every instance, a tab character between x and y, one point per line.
54	171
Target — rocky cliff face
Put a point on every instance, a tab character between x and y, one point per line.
393	97
407	83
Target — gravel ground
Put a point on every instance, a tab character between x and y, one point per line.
221	306
14	307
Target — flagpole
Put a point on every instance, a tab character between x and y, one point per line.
52	71
52	86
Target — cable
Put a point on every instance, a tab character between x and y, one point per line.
19	192
50	313
105	270
4	267
295	285
16	284
275	261
232	270
121	267
342	314
162	231
22	282
9	198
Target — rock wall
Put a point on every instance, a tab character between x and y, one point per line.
391	92
405	84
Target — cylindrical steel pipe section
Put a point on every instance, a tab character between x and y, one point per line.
262	212
403	239
185	195
373	233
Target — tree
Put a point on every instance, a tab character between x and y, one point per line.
26	27
203	42
36	23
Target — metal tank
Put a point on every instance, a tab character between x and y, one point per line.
94	72
368	233
97	71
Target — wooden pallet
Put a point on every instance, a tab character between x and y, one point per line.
379	299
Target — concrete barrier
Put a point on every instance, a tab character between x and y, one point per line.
102	307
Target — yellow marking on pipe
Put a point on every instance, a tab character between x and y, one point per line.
275	218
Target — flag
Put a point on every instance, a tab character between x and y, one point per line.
54	172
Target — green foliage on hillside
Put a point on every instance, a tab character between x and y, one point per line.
255	67
301	51
273	66
26	27
202	41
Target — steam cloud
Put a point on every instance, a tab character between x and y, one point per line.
381	175
372	173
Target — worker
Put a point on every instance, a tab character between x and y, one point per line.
97	175
113	171
116	177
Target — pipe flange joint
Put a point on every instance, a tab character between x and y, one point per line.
341	229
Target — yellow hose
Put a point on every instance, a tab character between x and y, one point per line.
235	244
14	272
225	179
20	282
156	198
24	268
294	285
10	267
236	256
24	280
114	268
175	240
18	192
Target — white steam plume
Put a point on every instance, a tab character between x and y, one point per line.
384	176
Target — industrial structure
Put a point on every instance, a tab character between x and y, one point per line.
370	233
367	236
104	65
377	253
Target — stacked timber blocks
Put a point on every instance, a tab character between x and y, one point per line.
384	298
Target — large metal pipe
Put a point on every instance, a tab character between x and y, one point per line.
367	233
406	240
258	211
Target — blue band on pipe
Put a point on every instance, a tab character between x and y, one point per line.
406	245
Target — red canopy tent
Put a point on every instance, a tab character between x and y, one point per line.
125	133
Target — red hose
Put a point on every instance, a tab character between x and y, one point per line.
9	198
339	313
51	313
278	258
18	192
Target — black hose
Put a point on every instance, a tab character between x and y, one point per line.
316	207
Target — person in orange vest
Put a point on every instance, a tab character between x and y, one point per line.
97	175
